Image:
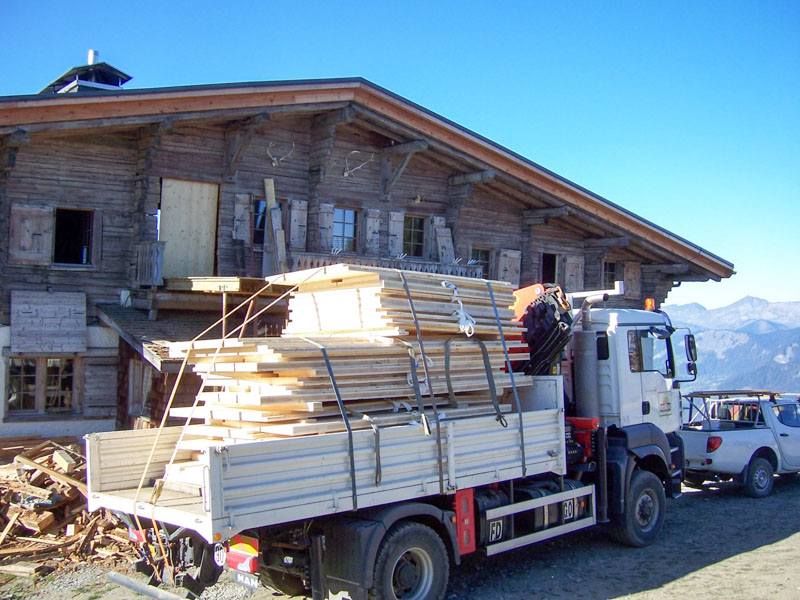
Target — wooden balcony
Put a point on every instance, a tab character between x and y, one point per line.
312	260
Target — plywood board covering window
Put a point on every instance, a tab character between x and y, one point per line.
188	226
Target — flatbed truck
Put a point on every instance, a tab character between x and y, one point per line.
386	517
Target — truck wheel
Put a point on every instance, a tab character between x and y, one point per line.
645	507
411	564
759	479
290	585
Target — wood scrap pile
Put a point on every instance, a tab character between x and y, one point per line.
362	317
44	521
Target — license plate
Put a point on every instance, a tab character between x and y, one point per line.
247	580
568	509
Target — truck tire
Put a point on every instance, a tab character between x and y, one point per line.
645	507
759	478
279	581
411	564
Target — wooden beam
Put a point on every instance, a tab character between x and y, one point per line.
336	117
238	136
477	177
200	115
389	173
407	148
667	269
608	242
540	216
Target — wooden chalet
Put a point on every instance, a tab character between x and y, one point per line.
112	198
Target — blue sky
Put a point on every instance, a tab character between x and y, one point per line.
685	113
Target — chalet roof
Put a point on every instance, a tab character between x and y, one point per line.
132	107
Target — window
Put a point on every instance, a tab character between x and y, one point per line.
648	351
414	236
482	256
344	229
612	272
787	414
549	268
42	385
259	219
73	237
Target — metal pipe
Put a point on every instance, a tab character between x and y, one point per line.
140	587
586	313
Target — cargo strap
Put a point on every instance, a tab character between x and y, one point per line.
428	379
466	324
487	365
513	383
345	418
376	432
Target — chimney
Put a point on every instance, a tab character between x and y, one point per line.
94	56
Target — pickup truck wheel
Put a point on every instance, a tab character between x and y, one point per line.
759	479
645	507
279	581
411	564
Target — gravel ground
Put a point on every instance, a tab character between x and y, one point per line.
715	543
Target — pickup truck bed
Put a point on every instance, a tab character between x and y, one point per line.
219	490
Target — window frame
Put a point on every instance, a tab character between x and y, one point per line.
615	274
422	243
281	203
42	386
636	353
354	244
488	271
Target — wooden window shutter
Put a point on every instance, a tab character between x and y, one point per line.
31	235
325	225
396	220
573	273
241	217
508	265
444	245
298	215
372	231
632	277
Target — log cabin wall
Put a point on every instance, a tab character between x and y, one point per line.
81	173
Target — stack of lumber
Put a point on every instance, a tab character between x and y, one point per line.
43	517
274	387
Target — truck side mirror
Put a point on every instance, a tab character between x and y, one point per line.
691	368
691	347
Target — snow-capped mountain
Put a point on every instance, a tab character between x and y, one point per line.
751	343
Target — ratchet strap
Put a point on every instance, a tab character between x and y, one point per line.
428	379
511	374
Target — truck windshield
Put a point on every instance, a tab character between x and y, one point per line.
648	352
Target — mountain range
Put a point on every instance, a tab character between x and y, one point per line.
750	344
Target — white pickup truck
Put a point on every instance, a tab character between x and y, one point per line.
744	435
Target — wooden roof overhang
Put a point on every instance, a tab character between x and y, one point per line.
380	110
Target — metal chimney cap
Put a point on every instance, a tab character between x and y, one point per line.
94	57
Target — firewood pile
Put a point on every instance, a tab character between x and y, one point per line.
44	522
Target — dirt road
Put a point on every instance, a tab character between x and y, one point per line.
716	543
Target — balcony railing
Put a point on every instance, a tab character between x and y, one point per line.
312	260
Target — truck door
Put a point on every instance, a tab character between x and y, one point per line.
649	374
787	428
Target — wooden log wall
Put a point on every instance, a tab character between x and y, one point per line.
77	172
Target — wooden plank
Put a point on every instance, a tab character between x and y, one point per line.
298	219
58	476
9	526
241	217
